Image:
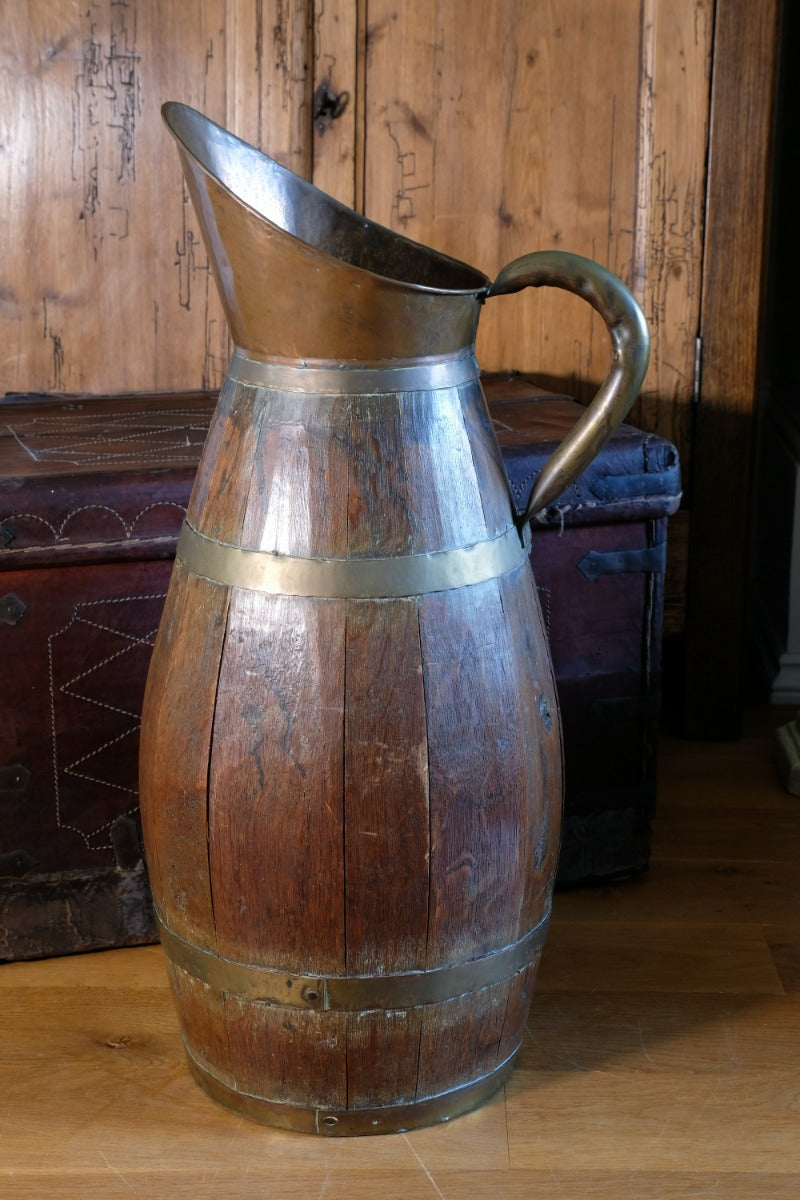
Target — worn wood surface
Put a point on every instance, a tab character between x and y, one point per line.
661	1057
384	672
336	748
182	682
491	132
106	284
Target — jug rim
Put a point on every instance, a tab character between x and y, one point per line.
183	121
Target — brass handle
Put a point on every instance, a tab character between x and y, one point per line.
630	342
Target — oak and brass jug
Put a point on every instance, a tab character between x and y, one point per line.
351	769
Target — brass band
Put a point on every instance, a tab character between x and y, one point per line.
354	992
350	578
344	379
350	1122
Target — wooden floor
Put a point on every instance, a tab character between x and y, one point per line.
663	1057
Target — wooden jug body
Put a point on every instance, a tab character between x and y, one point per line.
351	770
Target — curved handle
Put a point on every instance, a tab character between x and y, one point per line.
630	342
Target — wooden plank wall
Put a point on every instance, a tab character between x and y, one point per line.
494	130
106	285
486	131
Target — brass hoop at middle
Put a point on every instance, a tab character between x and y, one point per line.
351	578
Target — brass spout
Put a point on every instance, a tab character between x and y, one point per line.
304	278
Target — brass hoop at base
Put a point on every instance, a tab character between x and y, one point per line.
354	1122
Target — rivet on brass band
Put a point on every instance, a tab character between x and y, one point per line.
346	379
351	993
349	1122
350	578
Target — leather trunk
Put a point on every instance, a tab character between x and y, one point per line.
92	495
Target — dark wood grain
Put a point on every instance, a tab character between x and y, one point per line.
535	705
201	1014
387	840
744	80
461	1038
489	470
222	484
275	784
381	512
297	494
174	754
439	466
483	796
217	433
383	1056
302	1054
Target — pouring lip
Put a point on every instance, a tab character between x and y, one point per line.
180	119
